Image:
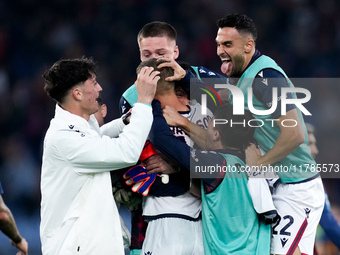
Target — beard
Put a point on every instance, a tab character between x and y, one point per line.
238	63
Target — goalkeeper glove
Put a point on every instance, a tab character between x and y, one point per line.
141	180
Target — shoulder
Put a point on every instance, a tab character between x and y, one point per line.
204	72
270	73
204	157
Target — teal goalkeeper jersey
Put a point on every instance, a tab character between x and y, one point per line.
297	166
229	220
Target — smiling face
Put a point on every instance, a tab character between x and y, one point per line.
235	50
88	93
154	47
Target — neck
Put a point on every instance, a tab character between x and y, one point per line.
216	145
76	111
249	58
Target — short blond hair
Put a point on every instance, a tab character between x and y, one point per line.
157	29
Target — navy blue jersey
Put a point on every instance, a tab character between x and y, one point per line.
1	190
204	75
177	150
200	80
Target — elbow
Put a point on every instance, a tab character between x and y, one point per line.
299	138
296	141
4	218
295	136
132	157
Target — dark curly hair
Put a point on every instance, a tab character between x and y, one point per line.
65	74
241	22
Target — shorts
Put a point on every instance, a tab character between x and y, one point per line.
299	207
173	236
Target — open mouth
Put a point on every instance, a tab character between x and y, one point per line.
226	65
227	60
99	100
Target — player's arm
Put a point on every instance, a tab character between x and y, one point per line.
175	148
9	228
115	127
124	105
163	139
211	78
196	133
290	137
200	80
160	164
329	224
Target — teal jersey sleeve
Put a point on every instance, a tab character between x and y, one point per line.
128	99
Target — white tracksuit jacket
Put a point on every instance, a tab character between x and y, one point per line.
78	211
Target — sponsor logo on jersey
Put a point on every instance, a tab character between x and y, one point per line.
284	241
265	81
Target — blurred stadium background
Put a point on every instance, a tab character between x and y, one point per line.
303	36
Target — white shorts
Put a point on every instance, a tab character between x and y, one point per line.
173	236
300	207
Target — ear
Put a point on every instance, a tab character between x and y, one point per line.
216	135
176	52
249	45
103	110
77	93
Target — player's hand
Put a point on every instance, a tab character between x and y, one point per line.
156	164
179	72
22	246
140	179
148	151
146	84
128	198
253	155
172	117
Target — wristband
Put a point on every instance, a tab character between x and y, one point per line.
17	239
125	116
